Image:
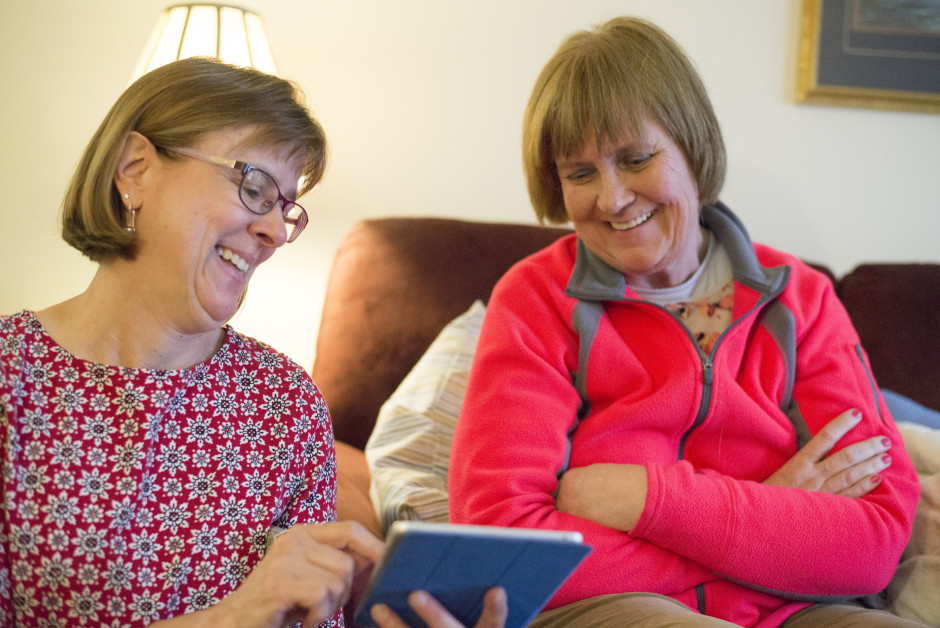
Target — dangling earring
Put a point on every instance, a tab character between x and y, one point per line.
130	227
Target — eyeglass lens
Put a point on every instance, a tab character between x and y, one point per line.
260	194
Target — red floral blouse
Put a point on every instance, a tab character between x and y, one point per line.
132	495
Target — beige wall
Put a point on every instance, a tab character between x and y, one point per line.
422	101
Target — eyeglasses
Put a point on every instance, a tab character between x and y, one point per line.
258	190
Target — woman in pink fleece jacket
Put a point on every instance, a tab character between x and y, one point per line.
697	406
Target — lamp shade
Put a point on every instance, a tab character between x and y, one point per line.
228	33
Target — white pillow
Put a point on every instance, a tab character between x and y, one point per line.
912	593
409	449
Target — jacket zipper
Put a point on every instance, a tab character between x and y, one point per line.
707	377
708	362
708	374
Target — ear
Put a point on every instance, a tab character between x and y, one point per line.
135	160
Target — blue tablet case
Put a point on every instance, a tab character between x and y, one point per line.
458	564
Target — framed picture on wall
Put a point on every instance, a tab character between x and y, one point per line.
879	54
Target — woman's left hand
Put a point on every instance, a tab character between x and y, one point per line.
495	610
853	471
612	495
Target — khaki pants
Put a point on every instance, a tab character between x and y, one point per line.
649	610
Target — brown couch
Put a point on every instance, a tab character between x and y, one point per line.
396	282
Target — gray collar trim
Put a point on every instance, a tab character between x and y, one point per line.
592	279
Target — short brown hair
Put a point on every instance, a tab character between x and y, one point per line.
174	106
609	81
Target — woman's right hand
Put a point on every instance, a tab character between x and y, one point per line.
306	575
852	471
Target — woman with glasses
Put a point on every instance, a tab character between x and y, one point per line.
156	464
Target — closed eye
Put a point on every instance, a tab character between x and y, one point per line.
252	192
579	175
634	161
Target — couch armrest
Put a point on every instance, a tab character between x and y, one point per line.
353	503
352	488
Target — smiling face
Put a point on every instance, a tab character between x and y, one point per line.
199	245
634	202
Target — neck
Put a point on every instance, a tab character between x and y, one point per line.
113	323
677	274
701	249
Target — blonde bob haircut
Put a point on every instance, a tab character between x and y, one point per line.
610	81
174	106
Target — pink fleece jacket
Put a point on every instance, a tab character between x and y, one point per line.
709	432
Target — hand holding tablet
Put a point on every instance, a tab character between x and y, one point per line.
458	564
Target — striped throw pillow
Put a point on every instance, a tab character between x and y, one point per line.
409	449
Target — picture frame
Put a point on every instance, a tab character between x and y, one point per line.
870	53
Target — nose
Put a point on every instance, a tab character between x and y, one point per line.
270	228
616	193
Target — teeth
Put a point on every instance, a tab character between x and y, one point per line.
232	257
623	226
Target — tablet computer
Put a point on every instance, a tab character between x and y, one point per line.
458	564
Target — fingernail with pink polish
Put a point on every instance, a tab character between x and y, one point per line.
876	479
886	442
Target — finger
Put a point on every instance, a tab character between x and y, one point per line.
315	590
338	570
318	578
869	449
823	442
432	611
863	487
323	600
285	584
854	477
300	547
320	609
348	536
803	470
322	582
385	617
495	609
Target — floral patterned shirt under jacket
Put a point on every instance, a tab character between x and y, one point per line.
133	495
